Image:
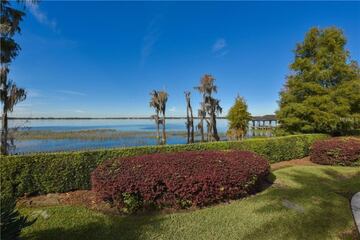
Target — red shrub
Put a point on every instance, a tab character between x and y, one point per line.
180	179
336	151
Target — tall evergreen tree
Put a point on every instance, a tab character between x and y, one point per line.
322	92
239	118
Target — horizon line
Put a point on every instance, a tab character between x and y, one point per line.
269	116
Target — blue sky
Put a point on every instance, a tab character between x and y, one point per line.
102	59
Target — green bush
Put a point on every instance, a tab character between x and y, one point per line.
65	171
12	222
132	202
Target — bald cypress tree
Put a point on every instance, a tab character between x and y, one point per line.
322	92
210	106
10	93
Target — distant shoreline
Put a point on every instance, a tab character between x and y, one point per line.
254	118
95	118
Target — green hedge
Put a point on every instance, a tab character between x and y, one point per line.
65	171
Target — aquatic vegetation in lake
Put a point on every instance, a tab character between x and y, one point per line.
33	140
93	134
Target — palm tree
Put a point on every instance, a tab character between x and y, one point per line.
154	103
189	119
213	108
10	95
163	97
209	106
207	86
158	102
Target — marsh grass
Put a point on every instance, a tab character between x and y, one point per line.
106	134
94	134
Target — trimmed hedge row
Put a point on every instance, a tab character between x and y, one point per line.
65	171
336	151
179	180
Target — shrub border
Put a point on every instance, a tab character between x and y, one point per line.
339	151
43	173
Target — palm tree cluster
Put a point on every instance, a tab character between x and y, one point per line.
158	102
209	108
10	94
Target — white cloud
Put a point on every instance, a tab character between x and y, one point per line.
69	92
172	109
41	17
219	45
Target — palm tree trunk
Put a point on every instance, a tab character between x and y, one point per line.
208	130
188	122
157	122
202	129
191	124
4	131
214	128
158	130
188	130
190	119
163	130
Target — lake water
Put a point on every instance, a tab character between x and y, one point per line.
51	145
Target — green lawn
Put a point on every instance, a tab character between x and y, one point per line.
317	200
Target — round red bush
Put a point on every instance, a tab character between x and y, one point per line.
181	179
336	151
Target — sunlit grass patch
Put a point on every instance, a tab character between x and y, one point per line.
311	206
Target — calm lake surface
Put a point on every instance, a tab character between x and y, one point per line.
135	126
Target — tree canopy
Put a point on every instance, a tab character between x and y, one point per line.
322	92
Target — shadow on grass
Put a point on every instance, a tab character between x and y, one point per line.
318	205
110	227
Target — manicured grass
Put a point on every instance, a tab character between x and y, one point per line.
317	208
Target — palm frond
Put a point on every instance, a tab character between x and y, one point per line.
15	95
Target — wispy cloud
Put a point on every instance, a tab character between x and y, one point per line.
69	92
172	109
79	111
24	105
220	47
33	93
42	17
150	39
